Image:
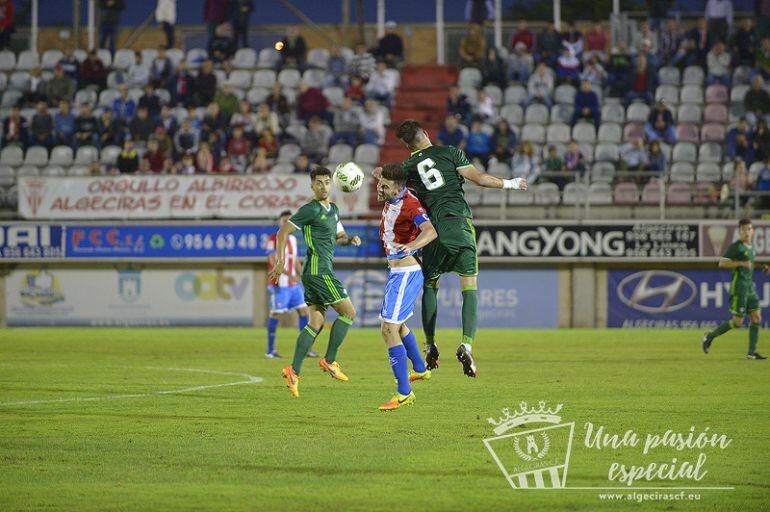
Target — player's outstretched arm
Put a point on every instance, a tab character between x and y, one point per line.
483	179
730	264
426	236
280	249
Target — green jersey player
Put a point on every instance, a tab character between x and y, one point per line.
739	257
436	175
320	224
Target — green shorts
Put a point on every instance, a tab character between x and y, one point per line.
453	251
322	290
744	301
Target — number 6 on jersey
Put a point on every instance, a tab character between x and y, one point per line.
430	176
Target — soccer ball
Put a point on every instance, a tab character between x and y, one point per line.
348	177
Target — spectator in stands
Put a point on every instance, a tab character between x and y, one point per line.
548	45
670	40
479	143
381	85
503	142
594	72
485	107
124	107
141	126
347	124
660	124
206	84
214	14
643	80
634	156
71	65
657	11
572	39
540	86
186	139
763	185
451	134
111	130
315	143
138	74
597	42
390	47
259	163
762	60
645	36
246	118
494	72
336	69
154	160
703	40
128	158
472	47
574	160
311	102
355	90
14	129
756	101
7	19
524	36
36	90
266	119
205	159
294	50
161	69
165	16
215	121
761	136
587	105
619	71
657	160
222	46
739	143
457	104
181	85
744	43
372	123
64	124
520	63
227	100
302	165
646	49
86	128
719	14
42	126
526	163
167	120
741	180
553	162
93	72
238	150
268	144
479	11
150	101
568	67
363	64
242	10
109	11
164	141
60	87
186	165
718	65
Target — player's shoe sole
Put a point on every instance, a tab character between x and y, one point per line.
332	369
312	354
755	356
431	356
466	359
706	343
413	376
273	355
292	380
397	401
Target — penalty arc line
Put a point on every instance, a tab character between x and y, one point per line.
251	379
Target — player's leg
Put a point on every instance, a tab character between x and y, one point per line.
317	316
337	298
466	264
433	256
277	298
297	303
413	353
755	314
398	363
738	301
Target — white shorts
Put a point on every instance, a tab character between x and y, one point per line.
401	291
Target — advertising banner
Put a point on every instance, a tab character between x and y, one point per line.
21	241
129	297
715	236
688	299
595	241
169	197
507	298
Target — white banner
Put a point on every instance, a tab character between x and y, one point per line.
129	297
165	197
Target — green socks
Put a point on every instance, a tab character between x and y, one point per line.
753	337
470	305
339	331
304	341
723	328
430	310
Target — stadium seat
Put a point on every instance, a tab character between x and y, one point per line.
533	133
36	155
669	75
520	198
693	75
7	61
3	84
710	152
109	155
12	156
86	96
10	98
78	170
557	133
715	113
735	112
689	113
547	194
287	153
562	113
682	172
284	168
27	60
28	170
245	58
706	192
195	57
7	176
367	154
318	57
742	75
257	95
53	170
607	152
667	151
626	194
727	171
717	93
575	193
754	170
494	197
708	171
298	131
564	94
610	132
264	78
713	132
340	153
19	80
469	77
175	55
536	113
515	94
738	92
613	113
473	195
584	132
691	94
600	193
240	79
685	152
314	77
268	58
107	98
149	55
637	112
679	194
86	155
687	133
512	113
124	59
105	56
667	93
495	94
602	172
51	58
471	93
291	96
61	155
651	192
335	95
587	148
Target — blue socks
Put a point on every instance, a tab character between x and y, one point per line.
413	352
303	322
272	327
400	368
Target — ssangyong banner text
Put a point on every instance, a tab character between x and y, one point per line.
169	197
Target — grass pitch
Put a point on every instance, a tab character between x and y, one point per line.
250	446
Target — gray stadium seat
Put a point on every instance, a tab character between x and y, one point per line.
613	113
107	97
575	193
603	171
710	152
36	155
557	133
689	113
547	194
691	94
7	176
495	93
742	75
682	172
78	170
7	61
257	95
86	155
667	93
607	151
637	112
124	59
515	94
685	152
738	92
473	195
314	77
562	113
19	80
51	58
245	58
240	79
536	113
564	94
693	75
708	171
268	58
285	168
610	132
28	170
494	197
469	77
149	55
600	193
521	198
367	154
86	96
669	75
175	55
105	56
12	156
335	95
61	155
512	113
318	57
27	60
584	132
195	57
53	170
298	131
287	153
10	98
340	153
109	155
533	133
626	193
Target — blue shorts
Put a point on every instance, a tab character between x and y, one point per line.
401	291
286	298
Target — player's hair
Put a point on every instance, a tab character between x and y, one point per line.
319	171
408	131
284	213
394	172
743	222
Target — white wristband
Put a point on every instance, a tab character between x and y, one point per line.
513	184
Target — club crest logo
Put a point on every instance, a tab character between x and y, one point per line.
34	193
129	285
535	458
41	289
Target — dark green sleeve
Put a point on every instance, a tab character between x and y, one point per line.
732	252
459	158
304	216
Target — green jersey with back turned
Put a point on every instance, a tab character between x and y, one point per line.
742	276
432	174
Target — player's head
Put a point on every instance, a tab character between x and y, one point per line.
321	182
745	230
284	217
391	182
412	134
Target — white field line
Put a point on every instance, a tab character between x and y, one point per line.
250	379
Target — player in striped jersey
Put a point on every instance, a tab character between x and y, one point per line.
285	292
404	229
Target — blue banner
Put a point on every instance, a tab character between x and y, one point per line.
688	299
31	241
194	241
